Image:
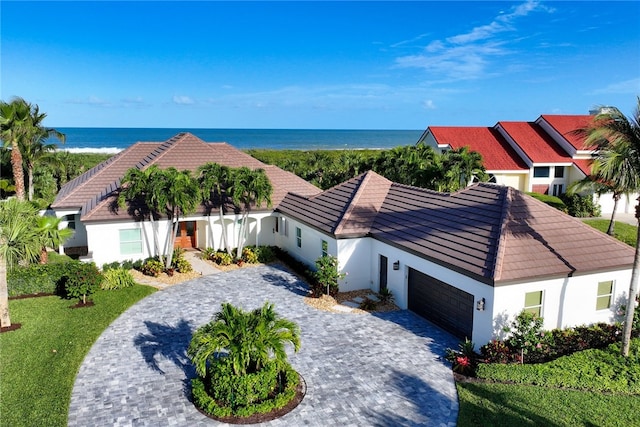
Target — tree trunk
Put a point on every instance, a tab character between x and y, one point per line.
44	255
156	242
172	240
30	178
18	172
5	320
225	239
633	290
616	199
243	232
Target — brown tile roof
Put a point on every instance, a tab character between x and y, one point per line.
347	209
497	154
492	233
95	191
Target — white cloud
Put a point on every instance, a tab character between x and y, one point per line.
631	86
468	56
91	100
182	100
428	104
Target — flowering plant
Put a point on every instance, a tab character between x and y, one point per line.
464	360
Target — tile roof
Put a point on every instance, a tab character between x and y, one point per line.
566	124
535	142
497	154
492	233
95	191
345	210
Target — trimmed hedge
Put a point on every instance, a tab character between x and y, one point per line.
36	279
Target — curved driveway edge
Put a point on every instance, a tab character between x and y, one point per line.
375	370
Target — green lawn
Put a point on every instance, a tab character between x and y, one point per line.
499	404
39	362
624	232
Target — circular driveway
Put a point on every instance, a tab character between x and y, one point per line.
375	370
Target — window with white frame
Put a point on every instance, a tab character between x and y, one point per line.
605	295
298	237
71	221
325	248
558	172
130	241
541	171
533	302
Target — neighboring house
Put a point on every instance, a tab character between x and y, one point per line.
105	233
468	261
544	156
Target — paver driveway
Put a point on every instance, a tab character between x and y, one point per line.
360	369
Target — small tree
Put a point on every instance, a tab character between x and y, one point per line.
527	335
82	280
327	275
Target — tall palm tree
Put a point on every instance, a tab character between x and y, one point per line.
249	187
143	190
51	235
214	180
15	126
36	149
19	243
251	339
182	194
616	159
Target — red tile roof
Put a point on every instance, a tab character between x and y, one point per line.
497	154
535	142
492	233
565	125
95	191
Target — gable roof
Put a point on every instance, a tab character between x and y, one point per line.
492	233
496	152
95	191
534	142
565	125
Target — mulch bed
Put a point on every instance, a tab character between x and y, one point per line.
261	418
82	304
13	327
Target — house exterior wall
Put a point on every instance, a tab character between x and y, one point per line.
79	237
354	261
519	181
625	204
311	241
566	302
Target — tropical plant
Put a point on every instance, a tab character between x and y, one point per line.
117	278
464	360
51	234
616	159
6	188
82	280
152	267
143	191
214	179
250	338
15	126
527	335
249	187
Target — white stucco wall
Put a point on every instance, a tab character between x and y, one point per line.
79	237
311	248
519	181
354	261
566	302
625	204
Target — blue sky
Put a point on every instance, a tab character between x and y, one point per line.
318	65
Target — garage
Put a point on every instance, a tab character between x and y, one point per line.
446	306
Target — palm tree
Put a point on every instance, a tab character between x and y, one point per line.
251	339
19	243
182	194
249	187
616	140
143	190
458	169
35	149
52	236
214	180
15	126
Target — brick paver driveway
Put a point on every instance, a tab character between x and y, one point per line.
360	370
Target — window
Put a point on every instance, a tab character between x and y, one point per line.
284	227
533	303
130	241
71	221
558	189
298	237
558	172
277	229
325	248
605	294
541	172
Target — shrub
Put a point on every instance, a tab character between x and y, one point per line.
179	262
553	201
386	295
580	206
208	253
464	360
266	254
127	264
117	278
152	267
368	305
137	264
496	351
109	266
82	279
249	255
326	276
34	279
527	335
223	258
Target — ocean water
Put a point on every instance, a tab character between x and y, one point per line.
110	140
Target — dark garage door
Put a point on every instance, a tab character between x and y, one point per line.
446	306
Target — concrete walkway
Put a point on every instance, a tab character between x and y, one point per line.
360	370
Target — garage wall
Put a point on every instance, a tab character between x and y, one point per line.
353	260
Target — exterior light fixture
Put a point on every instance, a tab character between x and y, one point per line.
480	304
396	265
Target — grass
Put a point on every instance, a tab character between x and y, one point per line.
39	361
497	404
624	232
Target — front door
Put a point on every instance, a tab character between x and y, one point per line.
383	272
186	235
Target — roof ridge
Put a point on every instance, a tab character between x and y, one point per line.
502	241
163	148
368	176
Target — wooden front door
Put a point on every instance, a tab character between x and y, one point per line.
186	235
